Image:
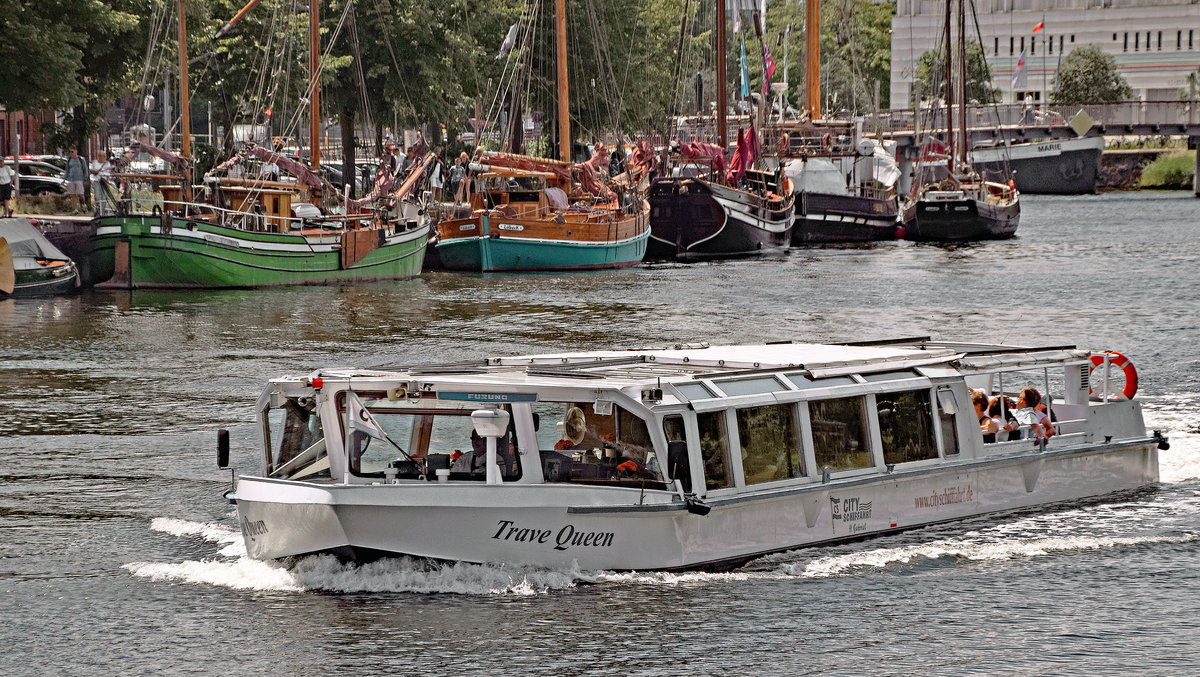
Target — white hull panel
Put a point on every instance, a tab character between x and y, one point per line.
600	528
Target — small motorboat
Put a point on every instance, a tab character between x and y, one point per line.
29	264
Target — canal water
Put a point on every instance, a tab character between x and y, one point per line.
119	555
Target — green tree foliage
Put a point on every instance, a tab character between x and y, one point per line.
1088	75
855	53
69	54
931	75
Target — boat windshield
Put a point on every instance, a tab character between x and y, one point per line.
424	435
295	441
595	442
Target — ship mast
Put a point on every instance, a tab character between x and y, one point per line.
564	107
314	94
964	139
812	57
185	123
721	132
950	149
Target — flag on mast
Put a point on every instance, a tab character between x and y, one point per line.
737	16
361	420
1018	76
1040	26
744	72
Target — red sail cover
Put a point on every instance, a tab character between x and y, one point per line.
383	183
745	155
589	171
643	159
561	170
302	173
705	151
416	174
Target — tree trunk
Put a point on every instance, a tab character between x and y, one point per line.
347	123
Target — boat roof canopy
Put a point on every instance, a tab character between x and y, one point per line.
732	368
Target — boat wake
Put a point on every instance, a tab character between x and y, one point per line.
964	549
1175	415
231	568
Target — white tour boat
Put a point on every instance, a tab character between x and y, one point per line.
686	457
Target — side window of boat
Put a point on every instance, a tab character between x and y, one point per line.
714	450
295	438
770	443
673	429
906	426
947	410
587	442
839	430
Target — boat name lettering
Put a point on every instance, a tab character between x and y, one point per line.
510	226
467	226
255	528
851	509
1049	146
566	537
488	397
947	496
227	241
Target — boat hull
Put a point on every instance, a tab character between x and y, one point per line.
960	220
694	220
607	528
824	217
134	252
492	243
1060	167
44	280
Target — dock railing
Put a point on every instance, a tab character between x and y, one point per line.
1186	112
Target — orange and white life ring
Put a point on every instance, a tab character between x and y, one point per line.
1124	364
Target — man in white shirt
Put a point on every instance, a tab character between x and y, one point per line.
6	188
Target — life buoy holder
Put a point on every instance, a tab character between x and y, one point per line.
1121	362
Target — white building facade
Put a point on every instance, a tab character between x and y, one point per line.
1156	43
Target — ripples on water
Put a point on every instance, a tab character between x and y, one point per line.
116	536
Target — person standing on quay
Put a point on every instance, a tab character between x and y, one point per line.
76	174
6	188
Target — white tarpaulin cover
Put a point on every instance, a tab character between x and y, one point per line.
826	175
27	243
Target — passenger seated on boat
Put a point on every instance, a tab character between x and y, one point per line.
1003	414
988	426
1028	414
474	462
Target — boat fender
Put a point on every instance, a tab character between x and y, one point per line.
1124	364
1162	440
222	448
697	507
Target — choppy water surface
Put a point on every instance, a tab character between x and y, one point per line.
118	554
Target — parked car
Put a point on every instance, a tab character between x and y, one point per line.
56	160
40	178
